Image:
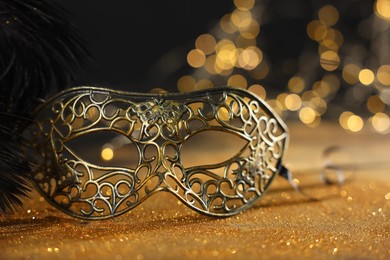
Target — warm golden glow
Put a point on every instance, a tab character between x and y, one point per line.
226	24
366	76
351	73
241	18
343	119
250	58
251	30
355	123
259	90
244	4
107	153
261	71
296	84
322	88
329	60
316	30
293	102
204	84
196	58
382	9
383	74
328	15
381	122
206	43
307	115
186	83
237	81
375	104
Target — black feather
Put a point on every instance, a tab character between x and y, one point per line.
40	51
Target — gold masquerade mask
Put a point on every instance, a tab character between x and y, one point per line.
158	127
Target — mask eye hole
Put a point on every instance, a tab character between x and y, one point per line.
211	147
103	148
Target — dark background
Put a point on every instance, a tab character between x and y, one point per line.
134	42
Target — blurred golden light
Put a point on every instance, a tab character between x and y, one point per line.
343	119
251	30
250	58
261	71
355	123
241	18
382	9
329	44
375	104
296	84
329	60
259	90
196	58
281	98
186	83
309	95
226	24
381	122
276	106
351	73
366	76
210	64
307	115
237	81
226	59
206	43
244	4
335	35
328	15
319	105
293	102
158	90
383	74
107	153
316	30
333	81
204	84
322	88
244	43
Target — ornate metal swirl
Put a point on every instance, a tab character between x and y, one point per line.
159	126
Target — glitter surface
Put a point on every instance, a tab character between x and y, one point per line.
349	222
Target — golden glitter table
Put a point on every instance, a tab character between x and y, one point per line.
348	223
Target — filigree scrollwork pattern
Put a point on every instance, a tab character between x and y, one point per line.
159	126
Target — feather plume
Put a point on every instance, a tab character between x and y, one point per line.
40	52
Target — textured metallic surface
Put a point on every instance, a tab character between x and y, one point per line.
159	126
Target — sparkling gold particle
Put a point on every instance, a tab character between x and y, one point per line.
259	90
366	77
186	83
296	84
206	43
387	196
382	9
383	74
381	122
307	115
355	123
196	58
329	15
237	81
329	60
351	73
244	4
